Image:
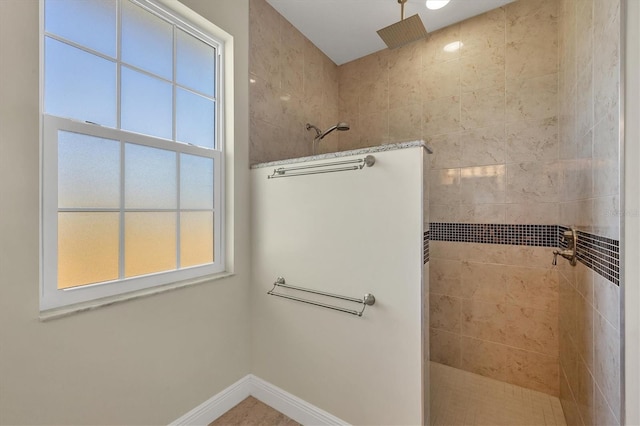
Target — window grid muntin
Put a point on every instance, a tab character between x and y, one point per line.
118	59
123	284
121	233
151	143
177	24
174	42
177	214
107	210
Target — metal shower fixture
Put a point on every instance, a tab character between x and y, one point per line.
320	135
341	127
403	32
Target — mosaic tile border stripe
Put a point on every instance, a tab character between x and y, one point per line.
597	253
492	233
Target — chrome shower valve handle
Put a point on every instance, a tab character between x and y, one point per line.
570	254
567	254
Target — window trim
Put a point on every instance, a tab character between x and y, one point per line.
53	300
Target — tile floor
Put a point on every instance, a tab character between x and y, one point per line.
462	398
458	398
252	412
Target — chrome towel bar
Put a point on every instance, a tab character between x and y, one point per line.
367	300
359	164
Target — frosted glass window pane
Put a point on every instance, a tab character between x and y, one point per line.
147	41
150	178
195	64
79	85
89	23
195	119
88	245
196	238
146	104
149	243
88	171
196	182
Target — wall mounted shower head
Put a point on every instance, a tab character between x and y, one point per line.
320	135
340	127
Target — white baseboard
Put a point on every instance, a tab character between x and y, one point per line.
217	405
289	405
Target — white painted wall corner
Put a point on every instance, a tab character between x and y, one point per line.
288	404
217	405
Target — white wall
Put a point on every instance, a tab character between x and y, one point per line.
145	361
363	370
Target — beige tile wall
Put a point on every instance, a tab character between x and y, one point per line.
494	312
488	109
291	83
589	110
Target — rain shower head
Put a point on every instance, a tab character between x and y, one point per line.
403	32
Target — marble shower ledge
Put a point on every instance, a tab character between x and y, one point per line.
361	151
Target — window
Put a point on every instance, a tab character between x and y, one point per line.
132	149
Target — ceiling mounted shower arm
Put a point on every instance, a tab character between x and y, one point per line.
402	2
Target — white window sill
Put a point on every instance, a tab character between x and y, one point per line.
107	301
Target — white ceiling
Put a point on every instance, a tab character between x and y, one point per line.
346	29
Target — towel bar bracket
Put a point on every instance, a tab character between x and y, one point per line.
369	299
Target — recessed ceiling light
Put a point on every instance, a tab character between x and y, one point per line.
436	4
452	47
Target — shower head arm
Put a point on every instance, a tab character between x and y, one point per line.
320	134
402	2
326	132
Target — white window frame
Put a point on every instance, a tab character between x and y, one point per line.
52	298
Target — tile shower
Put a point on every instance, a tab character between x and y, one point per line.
520	106
589	102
